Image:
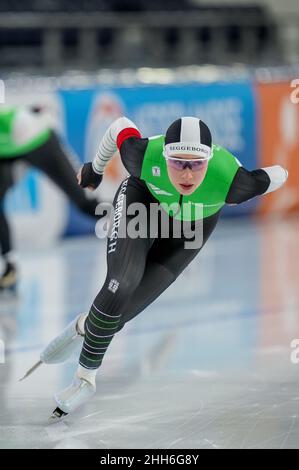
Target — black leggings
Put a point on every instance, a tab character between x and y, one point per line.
138	271
52	160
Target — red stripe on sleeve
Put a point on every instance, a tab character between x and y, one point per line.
125	134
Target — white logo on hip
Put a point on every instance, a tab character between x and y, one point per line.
158	190
156	171
113	285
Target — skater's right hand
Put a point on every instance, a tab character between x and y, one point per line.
87	178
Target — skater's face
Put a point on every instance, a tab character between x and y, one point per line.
186	176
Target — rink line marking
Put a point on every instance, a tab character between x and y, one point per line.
66	432
176	441
256	417
204	426
182	425
63	431
266	441
92	414
133	331
289	431
211	444
248	314
56	431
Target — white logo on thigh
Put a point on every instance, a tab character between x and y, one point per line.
113	285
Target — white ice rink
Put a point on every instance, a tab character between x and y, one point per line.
208	365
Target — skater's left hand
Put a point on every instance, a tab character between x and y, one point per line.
87	178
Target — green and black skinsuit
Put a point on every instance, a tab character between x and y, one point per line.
141	268
24	136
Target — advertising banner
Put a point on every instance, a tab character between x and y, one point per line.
278	142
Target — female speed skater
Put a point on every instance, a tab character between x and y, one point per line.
24	136
181	170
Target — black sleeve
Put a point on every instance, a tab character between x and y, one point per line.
246	185
132	153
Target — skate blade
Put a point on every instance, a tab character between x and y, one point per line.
30	371
57	416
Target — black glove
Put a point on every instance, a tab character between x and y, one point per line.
89	177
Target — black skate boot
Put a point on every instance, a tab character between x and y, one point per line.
8	280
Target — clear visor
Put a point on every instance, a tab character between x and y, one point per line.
195	164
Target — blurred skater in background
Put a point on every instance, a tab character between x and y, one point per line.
25	136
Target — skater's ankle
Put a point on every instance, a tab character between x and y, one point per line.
87	374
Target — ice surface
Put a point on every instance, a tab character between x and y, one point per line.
206	366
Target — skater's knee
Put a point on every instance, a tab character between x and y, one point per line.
115	293
123	288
